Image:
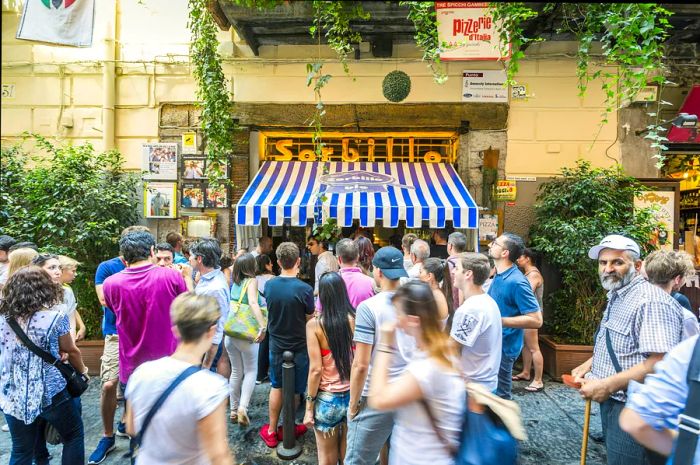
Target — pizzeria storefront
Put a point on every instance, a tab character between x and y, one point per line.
387	183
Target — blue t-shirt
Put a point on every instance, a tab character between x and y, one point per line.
683	300
180	259
513	294
104	271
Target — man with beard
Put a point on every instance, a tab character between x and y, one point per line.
640	324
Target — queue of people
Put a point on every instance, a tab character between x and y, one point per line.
382	345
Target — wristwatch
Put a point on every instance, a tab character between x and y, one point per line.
310	398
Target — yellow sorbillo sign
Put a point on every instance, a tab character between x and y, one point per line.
506	190
419	147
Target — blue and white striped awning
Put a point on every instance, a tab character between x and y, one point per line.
369	192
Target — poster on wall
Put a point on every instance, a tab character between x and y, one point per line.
506	191
468	30
189	143
217	196
192	195
488	227
484	86
193	167
160	161
664	204
159	199
212	165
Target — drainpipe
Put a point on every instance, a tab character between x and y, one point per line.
109	83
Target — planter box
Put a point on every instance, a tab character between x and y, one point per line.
562	358
91	351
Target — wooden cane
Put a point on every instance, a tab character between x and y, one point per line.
568	380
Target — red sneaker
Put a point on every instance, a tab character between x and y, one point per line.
270	439
299	430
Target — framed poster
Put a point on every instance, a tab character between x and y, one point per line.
160	161
224	170
189	143
664	197
217	196
192	195
193	167
468	30
159	199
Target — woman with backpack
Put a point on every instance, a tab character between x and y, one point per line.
243	354
329	343
190	425
429	396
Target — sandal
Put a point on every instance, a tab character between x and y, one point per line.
532	388
519	378
243	420
233	417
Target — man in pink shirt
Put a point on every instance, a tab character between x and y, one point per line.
360	286
140	297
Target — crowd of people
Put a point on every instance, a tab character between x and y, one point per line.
382	343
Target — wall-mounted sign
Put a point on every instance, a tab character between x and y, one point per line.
8	91
488	227
418	147
506	190
484	86
159	199
189	143
664	204
160	161
468	31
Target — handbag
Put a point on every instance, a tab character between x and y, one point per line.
490	430
138	440
51	435
76	383
241	322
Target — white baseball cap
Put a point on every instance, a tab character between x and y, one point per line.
616	242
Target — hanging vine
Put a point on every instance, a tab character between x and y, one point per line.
334	19
214	99
424	18
631	36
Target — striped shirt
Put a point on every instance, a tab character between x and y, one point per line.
641	319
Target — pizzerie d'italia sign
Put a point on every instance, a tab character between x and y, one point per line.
414	147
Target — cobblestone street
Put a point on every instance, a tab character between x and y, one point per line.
553	418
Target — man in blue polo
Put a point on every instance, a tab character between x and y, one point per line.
517	303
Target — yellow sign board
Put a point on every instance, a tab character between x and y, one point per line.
506	190
418	147
189	143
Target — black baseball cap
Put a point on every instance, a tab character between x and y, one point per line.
390	260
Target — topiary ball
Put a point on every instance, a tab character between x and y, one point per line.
396	86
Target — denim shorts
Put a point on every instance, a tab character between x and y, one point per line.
301	370
330	410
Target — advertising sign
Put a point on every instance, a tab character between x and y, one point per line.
160	161
506	190
467	31
664	203
484	86
189	143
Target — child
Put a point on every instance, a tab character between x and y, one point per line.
68	269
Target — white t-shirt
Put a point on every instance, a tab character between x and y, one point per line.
172	436
4	268
477	327
71	305
370	316
413	440
690	324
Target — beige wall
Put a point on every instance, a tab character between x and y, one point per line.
59	90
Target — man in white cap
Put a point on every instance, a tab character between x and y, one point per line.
640	324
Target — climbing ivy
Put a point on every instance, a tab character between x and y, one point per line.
334	18
214	99
424	19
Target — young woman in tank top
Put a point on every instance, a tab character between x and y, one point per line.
434	272
528	262
329	342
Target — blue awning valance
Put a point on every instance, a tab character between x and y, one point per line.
368	192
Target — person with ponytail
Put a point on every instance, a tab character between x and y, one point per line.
329	342
429	397
436	272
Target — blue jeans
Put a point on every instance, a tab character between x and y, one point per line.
621	448
505	377
63	415
367	433
301	370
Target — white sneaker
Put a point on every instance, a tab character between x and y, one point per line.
5	428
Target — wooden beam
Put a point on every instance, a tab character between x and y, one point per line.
218	14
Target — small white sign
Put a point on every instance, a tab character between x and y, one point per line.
484	86
521	178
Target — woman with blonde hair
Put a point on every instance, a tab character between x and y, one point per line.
190	425
19	258
69	268
429	397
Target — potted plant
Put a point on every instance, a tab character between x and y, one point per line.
573	212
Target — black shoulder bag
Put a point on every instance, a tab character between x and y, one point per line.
76	383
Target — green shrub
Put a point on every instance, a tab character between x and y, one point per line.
573	213
72	201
